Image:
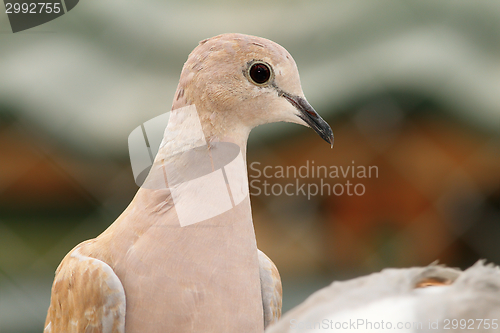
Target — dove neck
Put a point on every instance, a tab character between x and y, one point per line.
231	133
188	129
203	168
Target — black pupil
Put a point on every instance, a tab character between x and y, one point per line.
260	73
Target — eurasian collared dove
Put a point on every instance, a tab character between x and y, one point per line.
419	299
151	271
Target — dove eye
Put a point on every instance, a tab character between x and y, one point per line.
260	73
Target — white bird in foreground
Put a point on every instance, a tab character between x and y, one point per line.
149	272
421	299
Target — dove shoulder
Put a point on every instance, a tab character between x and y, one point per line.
271	289
87	296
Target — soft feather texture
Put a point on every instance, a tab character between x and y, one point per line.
199	278
396	296
271	288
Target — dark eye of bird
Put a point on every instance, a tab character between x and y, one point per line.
260	73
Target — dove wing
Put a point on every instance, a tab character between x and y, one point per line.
87	296
272	291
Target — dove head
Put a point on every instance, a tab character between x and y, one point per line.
238	82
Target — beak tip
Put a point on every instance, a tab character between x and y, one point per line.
329	137
326	134
311	117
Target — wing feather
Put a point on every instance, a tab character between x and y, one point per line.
87	296
272	291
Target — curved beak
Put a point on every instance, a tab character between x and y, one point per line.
311	117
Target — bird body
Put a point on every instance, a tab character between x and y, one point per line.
417	299
149	271
172	272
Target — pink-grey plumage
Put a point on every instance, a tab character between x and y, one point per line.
146	272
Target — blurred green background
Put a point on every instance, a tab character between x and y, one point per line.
411	87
